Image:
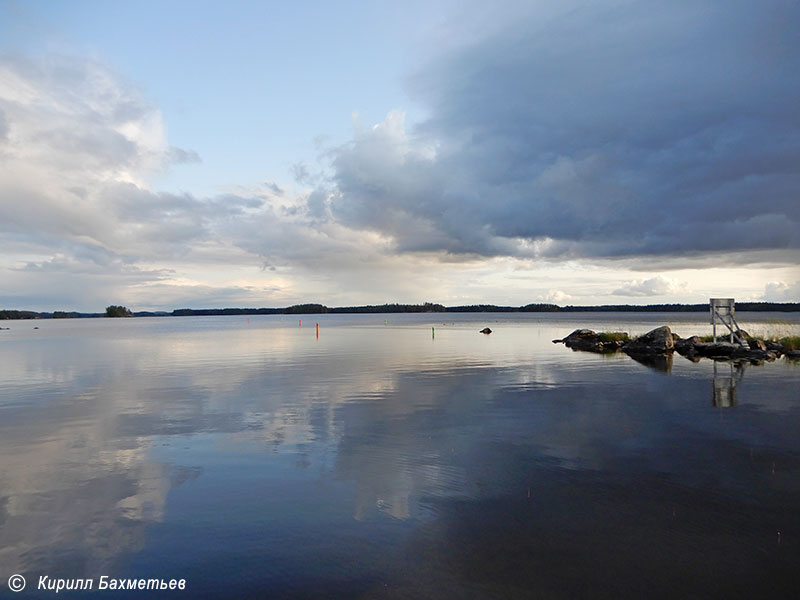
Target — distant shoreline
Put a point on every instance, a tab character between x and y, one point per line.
306	309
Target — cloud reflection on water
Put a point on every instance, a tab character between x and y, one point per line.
419	430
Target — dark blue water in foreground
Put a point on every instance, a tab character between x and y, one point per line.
385	460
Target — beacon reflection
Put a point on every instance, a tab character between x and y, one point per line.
726	378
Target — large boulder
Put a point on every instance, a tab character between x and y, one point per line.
686	346
657	341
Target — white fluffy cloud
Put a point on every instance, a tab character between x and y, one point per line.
80	228
779	291
77	140
655	286
77	219
557	297
79	223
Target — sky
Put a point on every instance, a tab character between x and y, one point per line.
176	154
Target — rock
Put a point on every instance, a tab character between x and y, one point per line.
720	349
657	341
757	353
753	354
775	347
686	346
579	334
661	342
581	339
486	330
590	341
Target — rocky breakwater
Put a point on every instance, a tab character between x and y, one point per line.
662	342
694	348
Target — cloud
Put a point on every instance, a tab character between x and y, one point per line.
557	297
77	218
779	291
655	286
73	131
180	156
3	127
602	130
604	133
274	188
79	278
80	228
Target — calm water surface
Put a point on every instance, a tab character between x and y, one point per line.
390	460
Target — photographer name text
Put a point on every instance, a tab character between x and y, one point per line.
106	582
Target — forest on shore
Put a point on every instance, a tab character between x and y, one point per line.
310	309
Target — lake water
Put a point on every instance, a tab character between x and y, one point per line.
387	459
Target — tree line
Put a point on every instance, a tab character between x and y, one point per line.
306	309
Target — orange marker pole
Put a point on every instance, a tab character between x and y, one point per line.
317	330
299	322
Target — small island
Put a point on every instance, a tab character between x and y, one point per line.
118	311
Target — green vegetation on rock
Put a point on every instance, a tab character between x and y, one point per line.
613	336
790	342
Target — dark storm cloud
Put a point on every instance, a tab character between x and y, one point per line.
613	130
